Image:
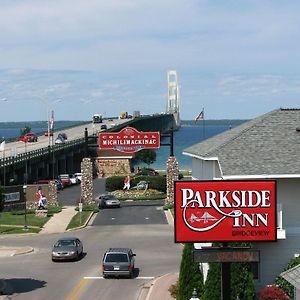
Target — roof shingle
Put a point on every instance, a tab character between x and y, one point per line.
269	144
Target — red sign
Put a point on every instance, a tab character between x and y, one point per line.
129	140
211	211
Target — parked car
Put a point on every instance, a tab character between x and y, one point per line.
59	184
118	262
67	248
65	179
79	176
147	172
28	137
63	135
59	140
108	200
74	179
103	127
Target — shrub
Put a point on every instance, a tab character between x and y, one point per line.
190	276
117	182
271	292
114	183
282	283
241	283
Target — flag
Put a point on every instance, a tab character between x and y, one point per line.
200	116
2	146
51	121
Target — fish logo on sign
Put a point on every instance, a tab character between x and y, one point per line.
199	219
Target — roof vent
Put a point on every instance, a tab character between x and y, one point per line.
298	129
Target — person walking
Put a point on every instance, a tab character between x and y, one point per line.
127	183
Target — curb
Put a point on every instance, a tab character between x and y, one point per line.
84	225
169	217
14	251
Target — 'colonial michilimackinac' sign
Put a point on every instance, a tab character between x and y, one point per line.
129	140
207	211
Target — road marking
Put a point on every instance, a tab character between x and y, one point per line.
101	277
74	294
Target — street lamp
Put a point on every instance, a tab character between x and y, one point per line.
194	295
24	188
25	215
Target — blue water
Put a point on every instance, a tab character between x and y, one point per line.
186	136
6	133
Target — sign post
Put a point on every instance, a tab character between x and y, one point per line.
80	211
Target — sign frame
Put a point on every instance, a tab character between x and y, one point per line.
230	254
129	140
184	233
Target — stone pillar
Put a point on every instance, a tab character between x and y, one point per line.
172	175
87	181
52	194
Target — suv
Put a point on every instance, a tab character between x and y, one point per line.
118	262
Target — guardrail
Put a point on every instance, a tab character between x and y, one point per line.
22	157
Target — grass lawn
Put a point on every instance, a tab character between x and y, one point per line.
13	230
9	218
17	218
75	222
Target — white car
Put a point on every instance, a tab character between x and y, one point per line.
79	176
74	179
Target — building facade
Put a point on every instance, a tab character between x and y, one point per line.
267	147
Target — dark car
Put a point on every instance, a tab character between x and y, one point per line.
63	135
104	127
107	200
67	248
118	262
147	172
28	137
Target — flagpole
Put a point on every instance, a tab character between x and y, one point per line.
203	124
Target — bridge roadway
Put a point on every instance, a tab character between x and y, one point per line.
17	147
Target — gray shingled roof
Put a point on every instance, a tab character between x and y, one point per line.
268	144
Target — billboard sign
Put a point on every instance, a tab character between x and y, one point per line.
208	211
129	140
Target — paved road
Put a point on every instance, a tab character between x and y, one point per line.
71	195
73	133
132	213
34	276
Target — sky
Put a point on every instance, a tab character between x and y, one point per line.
237	59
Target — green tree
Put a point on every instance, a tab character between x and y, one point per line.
212	288
148	156
1	198
241	281
25	130
190	276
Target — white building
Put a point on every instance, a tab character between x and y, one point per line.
267	147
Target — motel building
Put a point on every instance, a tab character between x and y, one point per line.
267	147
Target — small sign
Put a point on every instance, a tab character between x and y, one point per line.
225	255
80	206
129	140
224	211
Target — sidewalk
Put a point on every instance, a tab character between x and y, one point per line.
59	222
159	288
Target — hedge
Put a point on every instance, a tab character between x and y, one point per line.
154	182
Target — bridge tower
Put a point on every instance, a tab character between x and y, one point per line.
173	96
